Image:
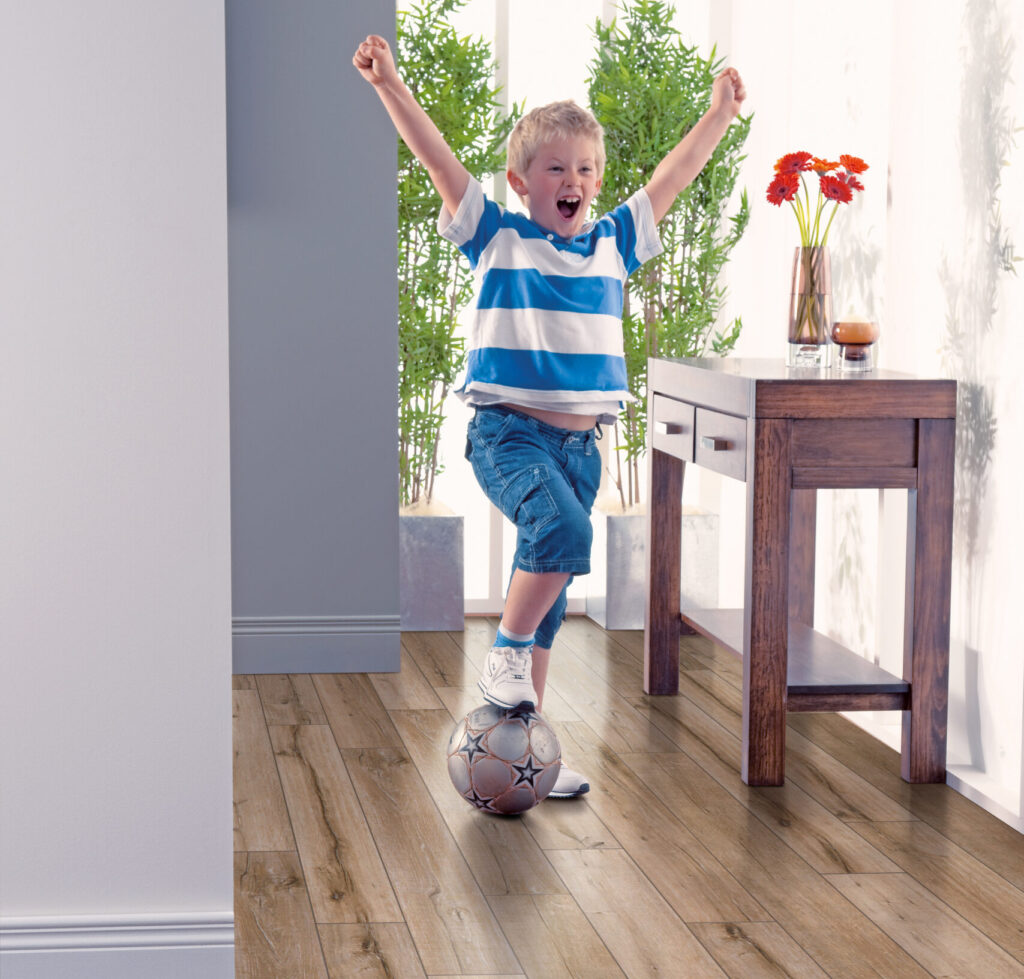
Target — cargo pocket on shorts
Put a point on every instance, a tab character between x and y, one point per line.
528	502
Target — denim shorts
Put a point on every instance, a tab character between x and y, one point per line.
544	479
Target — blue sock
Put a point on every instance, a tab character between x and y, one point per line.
506	638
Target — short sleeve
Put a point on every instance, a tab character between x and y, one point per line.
636	233
648	242
474	223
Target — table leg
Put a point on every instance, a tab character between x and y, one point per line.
926	633
664	546
766	608
803	514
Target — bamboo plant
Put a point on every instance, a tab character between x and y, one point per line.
648	89
451	77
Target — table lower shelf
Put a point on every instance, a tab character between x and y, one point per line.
822	675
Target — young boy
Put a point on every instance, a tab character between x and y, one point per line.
545	356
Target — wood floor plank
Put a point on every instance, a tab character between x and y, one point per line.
407	689
502	855
976	831
929	884
260	815
354	712
788	810
569	824
645	936
756	950
820	837
346	879
552	937
274	931
685	872
453	927
981	896
609	714
838	789
935	935
379	950
722	702
834	934
289	698
440	659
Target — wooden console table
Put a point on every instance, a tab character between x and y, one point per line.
787	433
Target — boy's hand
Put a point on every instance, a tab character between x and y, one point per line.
728	93
374	61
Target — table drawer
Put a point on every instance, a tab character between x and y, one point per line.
672	427
720	443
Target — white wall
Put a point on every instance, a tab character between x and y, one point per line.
928	99
115	742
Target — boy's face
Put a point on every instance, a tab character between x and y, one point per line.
559	184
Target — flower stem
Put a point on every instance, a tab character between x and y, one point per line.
824	237
800	222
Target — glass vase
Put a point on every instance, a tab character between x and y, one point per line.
810	309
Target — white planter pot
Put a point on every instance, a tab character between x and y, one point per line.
616	586
431	589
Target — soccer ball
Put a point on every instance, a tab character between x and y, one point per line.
503	761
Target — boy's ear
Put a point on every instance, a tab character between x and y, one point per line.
516	182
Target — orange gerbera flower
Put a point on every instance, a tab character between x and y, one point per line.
820	166
793	163
854	164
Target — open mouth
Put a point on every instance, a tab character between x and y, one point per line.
568	206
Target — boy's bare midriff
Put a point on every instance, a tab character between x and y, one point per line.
560	419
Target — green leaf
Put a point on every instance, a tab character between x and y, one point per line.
648	88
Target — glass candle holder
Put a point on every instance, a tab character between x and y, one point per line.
856	344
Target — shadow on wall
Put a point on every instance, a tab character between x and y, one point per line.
970	282
856	268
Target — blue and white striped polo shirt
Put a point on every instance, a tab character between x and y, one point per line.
546	321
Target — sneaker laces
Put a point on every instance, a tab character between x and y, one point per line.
517	660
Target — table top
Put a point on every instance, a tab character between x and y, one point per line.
768	388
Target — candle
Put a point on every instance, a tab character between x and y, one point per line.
856	331
856	339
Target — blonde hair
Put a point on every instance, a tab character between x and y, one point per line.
557	120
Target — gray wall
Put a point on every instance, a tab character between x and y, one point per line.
312	221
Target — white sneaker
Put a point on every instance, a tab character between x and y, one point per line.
568	785
506	680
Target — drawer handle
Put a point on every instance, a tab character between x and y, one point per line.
713	443
670	428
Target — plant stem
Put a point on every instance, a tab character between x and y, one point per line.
824	237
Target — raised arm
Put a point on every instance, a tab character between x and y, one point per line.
682	164
374	61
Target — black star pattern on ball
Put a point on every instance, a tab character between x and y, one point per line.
472	747
481	802
527	772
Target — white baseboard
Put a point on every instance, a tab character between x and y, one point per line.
199	945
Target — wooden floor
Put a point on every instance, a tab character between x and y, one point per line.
356	858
